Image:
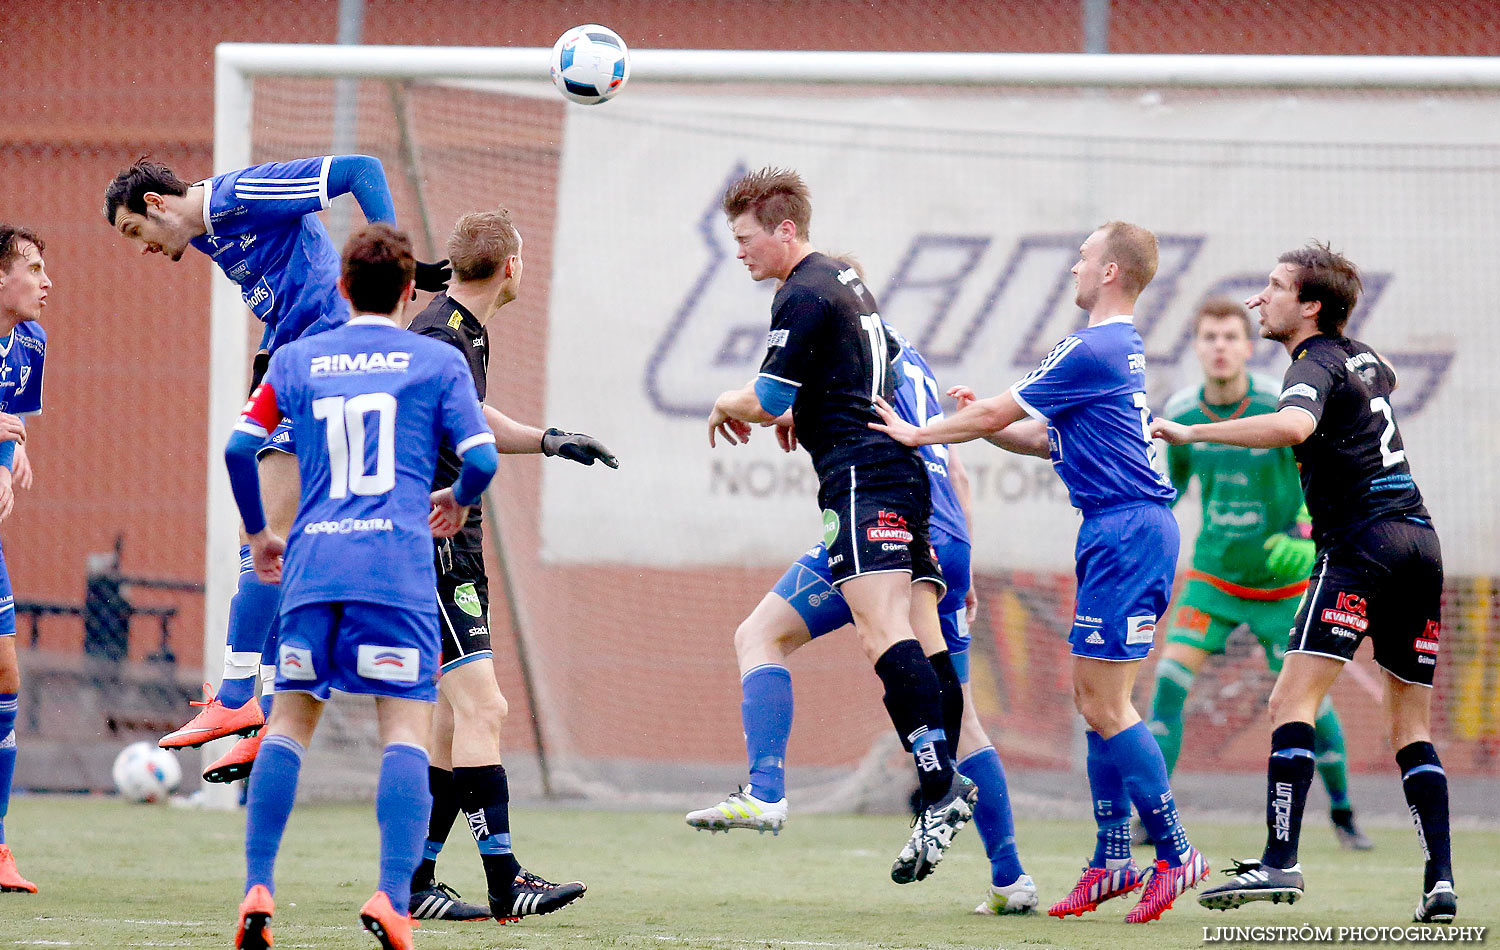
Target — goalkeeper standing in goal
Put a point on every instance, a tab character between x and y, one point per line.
1253	554
466	773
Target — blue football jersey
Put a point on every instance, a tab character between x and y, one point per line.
264	234
1091	392
21	359
376	403
917	402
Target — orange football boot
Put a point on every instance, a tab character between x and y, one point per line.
393	930
236	763
215	722
10	878
254	930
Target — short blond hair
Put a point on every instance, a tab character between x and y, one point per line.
481	242
1133	249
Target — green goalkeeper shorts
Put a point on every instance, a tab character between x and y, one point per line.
1204	617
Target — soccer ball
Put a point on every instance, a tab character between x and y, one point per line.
145	773
590	64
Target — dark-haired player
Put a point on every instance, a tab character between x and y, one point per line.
1090	392
259	225
828	359
1253	553
373	404
1378	573
466	773
23	349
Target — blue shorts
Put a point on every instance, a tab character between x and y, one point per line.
1127	558
283	440
358	647
808	587
7	602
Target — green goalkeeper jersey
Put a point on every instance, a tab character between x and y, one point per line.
1248	494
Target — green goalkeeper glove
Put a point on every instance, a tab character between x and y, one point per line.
1290	558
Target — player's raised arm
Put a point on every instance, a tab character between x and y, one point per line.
1288	426
978	419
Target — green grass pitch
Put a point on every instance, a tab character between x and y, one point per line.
116	875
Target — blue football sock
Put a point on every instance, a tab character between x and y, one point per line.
1111	805
251	611
271	791
403	803
766	711
10	704
992	814
1138	759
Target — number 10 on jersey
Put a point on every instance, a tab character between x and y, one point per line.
346	442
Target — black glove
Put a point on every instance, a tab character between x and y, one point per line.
258	369
433	278
578	447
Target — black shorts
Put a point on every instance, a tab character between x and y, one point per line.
1385	584
463	593
875	521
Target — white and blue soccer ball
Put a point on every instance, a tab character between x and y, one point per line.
145	773
590	64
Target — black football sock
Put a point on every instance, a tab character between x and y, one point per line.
911	698
1289	774
484	796
951	694
444	812
1426	787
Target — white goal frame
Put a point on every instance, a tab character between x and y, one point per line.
237	64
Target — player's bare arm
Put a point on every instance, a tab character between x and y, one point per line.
734	412
518	438
978	419
1274	430
21	468
1026	437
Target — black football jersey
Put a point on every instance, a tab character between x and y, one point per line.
1353	467
446	320
827	340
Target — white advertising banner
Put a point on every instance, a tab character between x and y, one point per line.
966	213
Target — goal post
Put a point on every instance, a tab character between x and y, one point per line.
962	181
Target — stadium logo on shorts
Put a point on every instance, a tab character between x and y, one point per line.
830	527
466	598
392	664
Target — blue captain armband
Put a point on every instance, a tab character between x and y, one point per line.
776	395
364	178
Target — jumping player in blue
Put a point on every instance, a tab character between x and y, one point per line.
804	605
23	348
358	611
260	226
1087	401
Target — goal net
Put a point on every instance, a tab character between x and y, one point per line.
964	188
